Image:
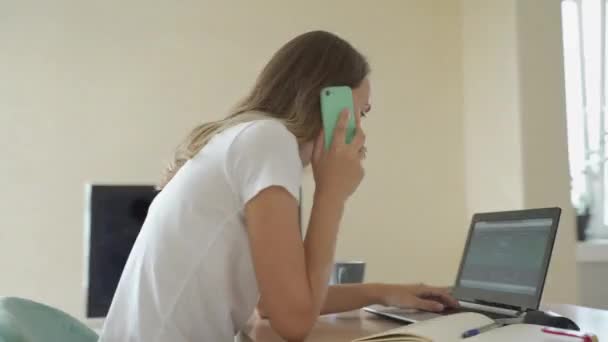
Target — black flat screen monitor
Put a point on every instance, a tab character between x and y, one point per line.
115	214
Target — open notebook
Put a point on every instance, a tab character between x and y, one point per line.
450	328
443	328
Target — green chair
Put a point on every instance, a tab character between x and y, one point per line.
23	320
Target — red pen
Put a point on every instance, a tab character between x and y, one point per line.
584	337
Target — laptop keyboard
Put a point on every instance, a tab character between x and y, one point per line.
411	315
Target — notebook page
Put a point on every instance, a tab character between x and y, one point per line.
443	329
448	328
393	335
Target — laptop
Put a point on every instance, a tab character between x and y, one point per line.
503	268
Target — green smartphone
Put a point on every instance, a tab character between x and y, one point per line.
333	101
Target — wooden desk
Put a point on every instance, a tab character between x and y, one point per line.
348	326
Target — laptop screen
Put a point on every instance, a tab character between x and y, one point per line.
506	258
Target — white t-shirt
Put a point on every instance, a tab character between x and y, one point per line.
190	276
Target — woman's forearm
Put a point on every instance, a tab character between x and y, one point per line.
349	297
320	245
341	298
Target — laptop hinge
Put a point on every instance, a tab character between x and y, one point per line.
490	307
499	305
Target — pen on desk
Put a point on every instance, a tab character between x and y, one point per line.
477	331
584	337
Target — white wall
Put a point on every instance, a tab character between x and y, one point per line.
491	106
515	121
592	278
102	91
592	273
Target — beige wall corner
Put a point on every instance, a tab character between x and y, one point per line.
546	181
514	119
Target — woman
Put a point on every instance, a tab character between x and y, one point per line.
223	234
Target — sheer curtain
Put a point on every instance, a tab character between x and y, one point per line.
584	33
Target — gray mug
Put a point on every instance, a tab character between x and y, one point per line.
347	272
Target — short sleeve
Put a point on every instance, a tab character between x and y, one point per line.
262	155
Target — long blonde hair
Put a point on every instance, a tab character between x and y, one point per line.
287	89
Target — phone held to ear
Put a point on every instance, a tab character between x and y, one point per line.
333	101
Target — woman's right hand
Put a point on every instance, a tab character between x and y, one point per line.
338	171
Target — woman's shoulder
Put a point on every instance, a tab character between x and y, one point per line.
262	140
266	130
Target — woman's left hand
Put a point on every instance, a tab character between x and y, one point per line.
419	296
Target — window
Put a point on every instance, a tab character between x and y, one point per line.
584	35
